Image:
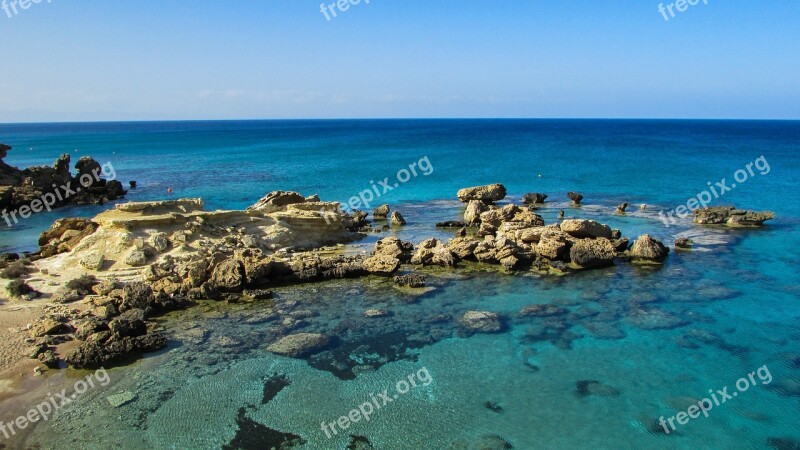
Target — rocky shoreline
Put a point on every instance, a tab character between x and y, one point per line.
108	277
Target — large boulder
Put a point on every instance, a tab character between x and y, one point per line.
648	250
299	345
592	253
381	265
487	194
95	354
228	276
581	228
381	212
395	248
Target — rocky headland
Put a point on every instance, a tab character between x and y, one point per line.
55	185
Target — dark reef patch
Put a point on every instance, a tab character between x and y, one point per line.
273	385
255	436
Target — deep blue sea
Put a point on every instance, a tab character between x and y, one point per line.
636	344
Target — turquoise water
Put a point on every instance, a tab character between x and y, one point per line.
714	315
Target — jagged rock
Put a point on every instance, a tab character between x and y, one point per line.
103	353
397	218
65	294
592	253
395	248
160	242
313	199
381	264
128	327
463	247
48	326
481	322
433	252
136	295
412	280
575	197
731	216
620	245
622	207
49	359
276	200
64	235
581	228
93	261
648	250
534	198
381	212
228	276
487	194
510	262
552	246
136	258
298	345
472	215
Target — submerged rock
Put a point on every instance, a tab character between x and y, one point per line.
299	345
412	280
481	322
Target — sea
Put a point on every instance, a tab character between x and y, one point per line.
702	352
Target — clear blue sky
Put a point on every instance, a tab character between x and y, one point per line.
232	59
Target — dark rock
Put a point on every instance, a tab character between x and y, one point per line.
381	212
412	280
575	197
534	198
450	224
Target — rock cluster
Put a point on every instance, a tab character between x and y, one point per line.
729	215
19	188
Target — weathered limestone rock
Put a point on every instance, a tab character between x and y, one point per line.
592	253
481	322
581	228
648	250
534	198
487	194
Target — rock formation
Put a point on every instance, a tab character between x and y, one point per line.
55	186
729	215
487	194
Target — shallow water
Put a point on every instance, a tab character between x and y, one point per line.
654	339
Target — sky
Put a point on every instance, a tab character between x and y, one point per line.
101	60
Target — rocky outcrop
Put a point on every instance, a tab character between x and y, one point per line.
276	200
622	207
64	235
381	265
486	194
412	280
54	186
534	198
648	250
729	215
